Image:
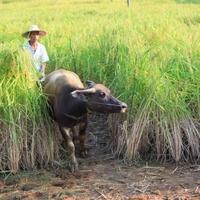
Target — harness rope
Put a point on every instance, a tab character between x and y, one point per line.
74	117
81	117
107	104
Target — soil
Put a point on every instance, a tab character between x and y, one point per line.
101	176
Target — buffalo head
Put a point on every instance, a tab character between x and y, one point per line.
99	99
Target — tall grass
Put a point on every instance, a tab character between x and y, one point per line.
148	56
25	135
188	1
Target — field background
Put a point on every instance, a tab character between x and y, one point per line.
149	55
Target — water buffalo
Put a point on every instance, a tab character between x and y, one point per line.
70	102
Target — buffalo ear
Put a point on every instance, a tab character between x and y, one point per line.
90	83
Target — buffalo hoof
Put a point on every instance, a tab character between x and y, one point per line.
84	153
73	166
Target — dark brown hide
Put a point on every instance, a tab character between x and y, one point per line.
70	101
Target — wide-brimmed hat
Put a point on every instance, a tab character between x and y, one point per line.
33	28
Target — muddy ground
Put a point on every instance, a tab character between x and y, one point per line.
103	177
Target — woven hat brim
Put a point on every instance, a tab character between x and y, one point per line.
27	33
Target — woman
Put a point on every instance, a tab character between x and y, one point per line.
37	50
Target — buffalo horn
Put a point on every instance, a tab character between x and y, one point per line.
86	91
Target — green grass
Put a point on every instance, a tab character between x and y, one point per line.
188	1
148	55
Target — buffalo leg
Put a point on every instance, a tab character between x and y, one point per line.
68	139
74	136
82	137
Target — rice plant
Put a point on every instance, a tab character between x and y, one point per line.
148	55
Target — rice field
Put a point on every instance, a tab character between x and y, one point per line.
149	55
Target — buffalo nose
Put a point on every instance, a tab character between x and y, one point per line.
124	107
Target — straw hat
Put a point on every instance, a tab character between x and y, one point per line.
33	28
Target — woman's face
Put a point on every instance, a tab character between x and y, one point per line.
34	36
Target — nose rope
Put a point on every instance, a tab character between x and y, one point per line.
106	104
95	103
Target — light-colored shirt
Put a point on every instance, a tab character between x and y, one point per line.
39	55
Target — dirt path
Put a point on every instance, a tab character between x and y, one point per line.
102	177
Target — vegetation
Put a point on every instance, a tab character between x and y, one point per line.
148	55
188	1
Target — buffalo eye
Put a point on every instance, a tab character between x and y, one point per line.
102	94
